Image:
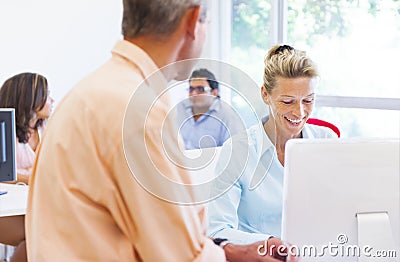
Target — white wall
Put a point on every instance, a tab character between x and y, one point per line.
63	40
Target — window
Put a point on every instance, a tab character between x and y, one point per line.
249	44
250	38
356	45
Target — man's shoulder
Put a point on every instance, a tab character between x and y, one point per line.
183	110
248	136
222	108
113	78
103	95
184	104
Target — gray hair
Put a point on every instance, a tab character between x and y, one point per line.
155	17
287	62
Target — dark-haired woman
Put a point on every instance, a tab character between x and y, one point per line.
28	94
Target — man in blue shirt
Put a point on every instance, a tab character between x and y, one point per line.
205	120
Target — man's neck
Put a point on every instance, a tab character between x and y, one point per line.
162	52
199	111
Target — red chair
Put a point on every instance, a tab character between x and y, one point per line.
319	122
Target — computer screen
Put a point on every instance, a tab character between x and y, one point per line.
7	145
342	199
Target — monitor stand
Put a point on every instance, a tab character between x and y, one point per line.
375	234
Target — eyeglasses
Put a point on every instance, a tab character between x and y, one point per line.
199	89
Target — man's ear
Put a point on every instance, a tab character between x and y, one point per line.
264	95
214	91
191	19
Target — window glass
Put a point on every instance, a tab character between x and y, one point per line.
356	46
249	44
355	43
250	36
356	122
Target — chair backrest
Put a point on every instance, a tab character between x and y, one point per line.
319	122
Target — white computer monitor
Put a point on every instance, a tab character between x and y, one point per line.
342	199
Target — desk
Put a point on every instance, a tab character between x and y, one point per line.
202	170
14	202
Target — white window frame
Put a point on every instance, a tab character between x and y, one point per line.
218	47
279	35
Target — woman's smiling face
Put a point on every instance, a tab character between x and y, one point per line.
291	102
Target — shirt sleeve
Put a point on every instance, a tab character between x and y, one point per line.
25	157
156	215
320	132
224	219
329	133
222	212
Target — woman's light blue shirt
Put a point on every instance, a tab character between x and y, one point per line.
251	176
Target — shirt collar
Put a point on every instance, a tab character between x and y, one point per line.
259	137
216	105
140	59
265	143
186	104
306	132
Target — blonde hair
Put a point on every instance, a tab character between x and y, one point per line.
286	62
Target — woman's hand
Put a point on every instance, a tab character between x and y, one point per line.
271	250
21	178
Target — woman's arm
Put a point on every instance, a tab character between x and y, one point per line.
224	221
271	250
223	210
21	178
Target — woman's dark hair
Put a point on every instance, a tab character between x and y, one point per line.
27	94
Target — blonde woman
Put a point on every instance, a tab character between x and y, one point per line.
251	209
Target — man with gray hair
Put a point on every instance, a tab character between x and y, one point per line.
96	193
